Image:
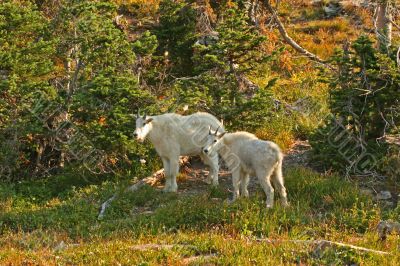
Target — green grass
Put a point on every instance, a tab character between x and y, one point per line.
35	217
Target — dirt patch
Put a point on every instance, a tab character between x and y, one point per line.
194	173
298	154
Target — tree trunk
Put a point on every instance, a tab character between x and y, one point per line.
383	25
251	7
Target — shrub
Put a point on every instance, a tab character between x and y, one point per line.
67	100
364	93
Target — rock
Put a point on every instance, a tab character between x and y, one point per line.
60	246
384	195
332	9
367	192
387	227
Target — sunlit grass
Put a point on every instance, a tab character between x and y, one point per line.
322	207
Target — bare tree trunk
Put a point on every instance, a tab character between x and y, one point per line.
73	66
39	153
383	25
252	6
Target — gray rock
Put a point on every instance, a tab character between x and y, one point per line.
387	227
332	9
384	195
367	192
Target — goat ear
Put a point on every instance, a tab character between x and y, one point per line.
221	135
148	120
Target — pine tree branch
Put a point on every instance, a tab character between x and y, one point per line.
289	40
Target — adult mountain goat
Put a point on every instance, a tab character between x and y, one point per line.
173	135
246	155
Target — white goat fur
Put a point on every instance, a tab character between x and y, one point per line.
174	135
247	155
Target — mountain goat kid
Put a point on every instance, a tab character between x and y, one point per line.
173	135
246	155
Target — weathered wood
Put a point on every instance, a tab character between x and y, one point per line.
150	180
383	24
321	244
288	39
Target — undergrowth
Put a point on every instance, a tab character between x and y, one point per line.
34	223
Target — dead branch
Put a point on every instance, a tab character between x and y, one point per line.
144	247
322	244
192	259
288	39
62	246
150	180
393	23
398	57
185	261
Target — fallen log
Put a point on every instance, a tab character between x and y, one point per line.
322	244
161	246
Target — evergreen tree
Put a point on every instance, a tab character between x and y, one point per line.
69	92
102	80
221	70
25	67
365	92
176	34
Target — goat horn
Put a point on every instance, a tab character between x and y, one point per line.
145	115
138	113
209	130
216	131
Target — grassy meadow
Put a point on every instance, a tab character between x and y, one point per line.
54	222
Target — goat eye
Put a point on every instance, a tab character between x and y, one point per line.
144	124
215	140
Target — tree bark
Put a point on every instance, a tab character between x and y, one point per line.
251	7
383	25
